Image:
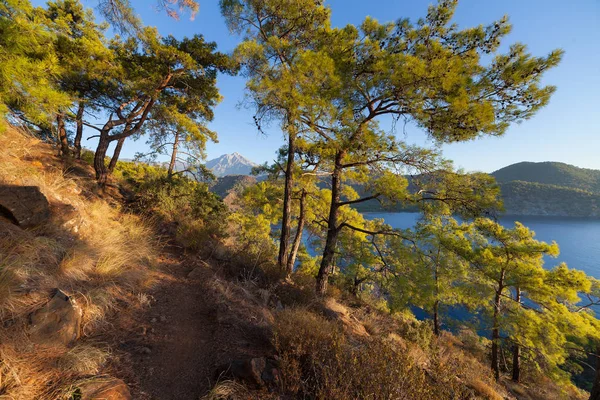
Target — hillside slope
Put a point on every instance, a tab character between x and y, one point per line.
551	173
549	189
160	319
535	199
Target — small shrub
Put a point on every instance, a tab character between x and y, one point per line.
300	292
253	251
199	216
317	361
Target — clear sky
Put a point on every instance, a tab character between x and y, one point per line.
566	130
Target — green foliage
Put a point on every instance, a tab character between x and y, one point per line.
29	68
254	250
135	173
329	87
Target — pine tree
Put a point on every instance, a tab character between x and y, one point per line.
29	67
159	77
84	59
431	73
529	306
276	32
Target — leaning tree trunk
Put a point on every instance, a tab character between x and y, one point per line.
116	154
284	239
62	134
595	394
333	229
298	238
78	131
173	156
99	163
516	365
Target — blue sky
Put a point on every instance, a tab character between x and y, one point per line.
566	130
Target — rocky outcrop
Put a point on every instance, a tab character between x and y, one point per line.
25	206
57	323
103	388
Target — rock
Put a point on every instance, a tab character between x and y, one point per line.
8	227
336	311
153	320
145	350
163	318
103	388
25	206
259	372
56	323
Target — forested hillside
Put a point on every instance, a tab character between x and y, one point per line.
551	173
549	188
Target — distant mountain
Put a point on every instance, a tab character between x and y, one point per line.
230	164
549	189
551	173
538	189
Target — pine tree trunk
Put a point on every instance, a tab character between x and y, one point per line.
99	164
173	156
284	239
595	394
436	318
496	329
332	228
62	134
516	365
79	130
116	154
298	238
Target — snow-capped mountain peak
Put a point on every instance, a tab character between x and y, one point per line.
230	164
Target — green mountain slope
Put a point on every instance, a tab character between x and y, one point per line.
536	199
551	173
549	189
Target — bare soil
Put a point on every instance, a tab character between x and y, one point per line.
193	326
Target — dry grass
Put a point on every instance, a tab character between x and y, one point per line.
319	361
83	359
227	390
90	249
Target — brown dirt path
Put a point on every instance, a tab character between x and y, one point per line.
192	326
180	341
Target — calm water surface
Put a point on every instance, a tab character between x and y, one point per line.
578	239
